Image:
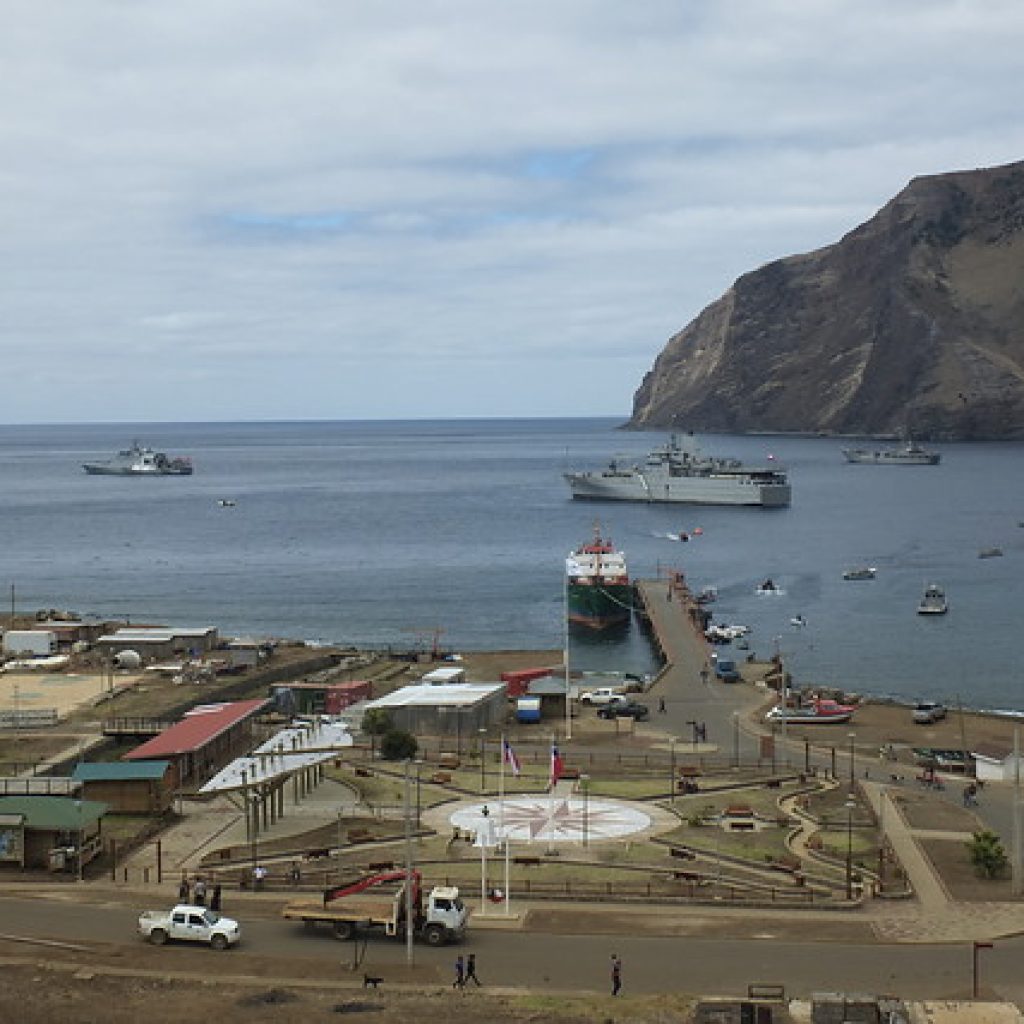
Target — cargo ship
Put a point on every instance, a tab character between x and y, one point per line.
598	591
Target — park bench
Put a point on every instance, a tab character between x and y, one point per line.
380	865
570	773
359	835
364	773
441	778
682	853
526	861
448	761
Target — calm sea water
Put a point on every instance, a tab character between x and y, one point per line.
387	533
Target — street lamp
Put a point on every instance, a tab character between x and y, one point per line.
694	726
81	844
585	787
419	765
736	739
850	805
408	866
672	769
851	736
483	760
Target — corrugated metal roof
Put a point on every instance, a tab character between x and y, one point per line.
117	771
199	726
453	695
53	812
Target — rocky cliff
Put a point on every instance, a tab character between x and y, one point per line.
912	322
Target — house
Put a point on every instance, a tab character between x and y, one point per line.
128	787
51	833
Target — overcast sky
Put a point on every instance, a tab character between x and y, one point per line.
329	209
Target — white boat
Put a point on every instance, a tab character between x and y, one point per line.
817	712
860	573
911	454
933	602
769	589
679	473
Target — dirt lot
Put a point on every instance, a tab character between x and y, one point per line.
125	985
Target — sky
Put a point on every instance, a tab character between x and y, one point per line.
330	209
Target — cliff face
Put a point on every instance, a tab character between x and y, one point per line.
912	322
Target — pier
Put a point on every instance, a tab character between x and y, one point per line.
701	713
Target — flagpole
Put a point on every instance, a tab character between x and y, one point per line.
501	813
565	661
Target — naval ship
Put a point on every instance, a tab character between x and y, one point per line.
139	461
911	454
681	474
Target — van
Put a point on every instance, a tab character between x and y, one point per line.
725	669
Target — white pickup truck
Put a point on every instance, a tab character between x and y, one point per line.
603	696
189	924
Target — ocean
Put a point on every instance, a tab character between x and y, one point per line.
404	534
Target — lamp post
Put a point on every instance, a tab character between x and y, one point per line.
585	787
850	805
81	843
851	736
419	766
735	739
483	760
784	690
408	866
672	769
693	725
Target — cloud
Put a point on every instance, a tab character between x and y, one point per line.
333	209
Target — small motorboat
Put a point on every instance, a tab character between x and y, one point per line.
226	502
816	712
933	602
990	553
862	572
798	620
769	588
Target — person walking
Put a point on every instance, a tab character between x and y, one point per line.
471	970
460	973
215	897
616	974
661	705
184	890
200	897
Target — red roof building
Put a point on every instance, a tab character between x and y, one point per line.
204	739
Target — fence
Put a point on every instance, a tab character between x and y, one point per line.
28	718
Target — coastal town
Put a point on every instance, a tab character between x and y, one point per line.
145	765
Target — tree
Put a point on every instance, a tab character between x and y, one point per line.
398	745
987	854
376	722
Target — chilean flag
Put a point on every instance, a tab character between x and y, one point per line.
510	758
556	765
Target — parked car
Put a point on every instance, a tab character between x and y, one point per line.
928	712
602	695
624	709
189	924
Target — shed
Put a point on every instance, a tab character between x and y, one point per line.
325	698
528	709
207	737
551	692
49	832
996	763
128	787
447	674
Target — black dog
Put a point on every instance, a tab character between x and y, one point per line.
369	979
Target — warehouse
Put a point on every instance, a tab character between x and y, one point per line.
155	642
458	710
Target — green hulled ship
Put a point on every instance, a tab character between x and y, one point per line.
599	593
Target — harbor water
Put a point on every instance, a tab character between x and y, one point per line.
407	533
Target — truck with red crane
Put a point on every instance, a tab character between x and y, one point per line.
379	900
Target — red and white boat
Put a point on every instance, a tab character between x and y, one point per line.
820	711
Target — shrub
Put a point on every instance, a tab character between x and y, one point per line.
987	854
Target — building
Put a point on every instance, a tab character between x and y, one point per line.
997	763
128	787
154	642
51	833
206	738
458	710
313	698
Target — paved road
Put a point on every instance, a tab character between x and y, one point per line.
556	962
